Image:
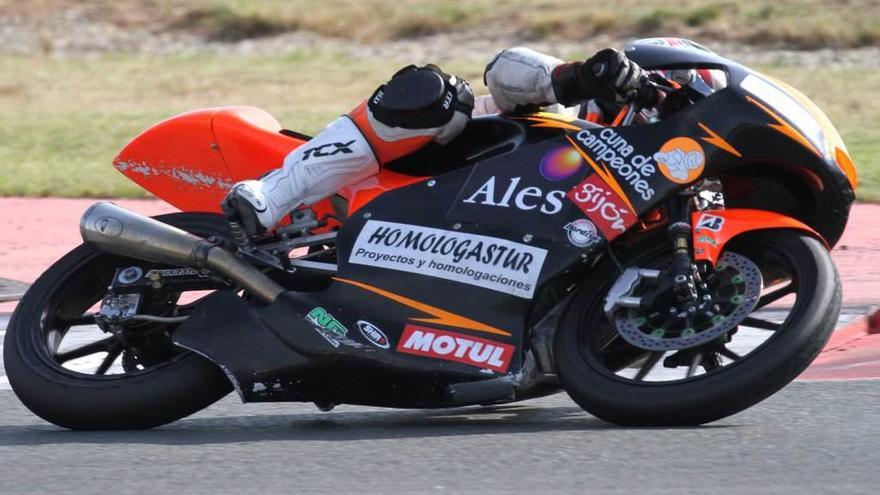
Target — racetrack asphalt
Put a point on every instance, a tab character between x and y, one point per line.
809	438
812	437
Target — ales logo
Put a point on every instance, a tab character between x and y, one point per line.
681	160
603	206
509	193
451	346
327	326
488	262
373	334
610	148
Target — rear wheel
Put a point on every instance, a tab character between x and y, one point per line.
643	379
71	373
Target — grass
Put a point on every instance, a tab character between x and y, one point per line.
63	120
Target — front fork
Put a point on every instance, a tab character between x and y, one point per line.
684	275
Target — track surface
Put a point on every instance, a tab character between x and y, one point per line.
812	437
809	438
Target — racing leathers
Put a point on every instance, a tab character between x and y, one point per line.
419	105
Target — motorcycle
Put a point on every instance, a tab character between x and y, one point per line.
670	269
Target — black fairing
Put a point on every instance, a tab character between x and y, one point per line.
652	57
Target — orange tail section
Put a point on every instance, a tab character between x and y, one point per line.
193	159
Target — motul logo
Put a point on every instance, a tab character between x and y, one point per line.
456	347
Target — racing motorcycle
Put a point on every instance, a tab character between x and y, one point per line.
670	269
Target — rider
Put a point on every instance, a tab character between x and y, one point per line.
417	106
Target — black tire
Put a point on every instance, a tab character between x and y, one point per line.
719	393
155	396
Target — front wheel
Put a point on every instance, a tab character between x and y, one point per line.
628	381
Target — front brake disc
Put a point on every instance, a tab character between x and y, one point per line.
734	290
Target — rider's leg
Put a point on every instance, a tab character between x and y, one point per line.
417	106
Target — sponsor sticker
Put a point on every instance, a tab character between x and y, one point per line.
681	160
611	149
328	149
560	163
512	192
482	261
603	206
582	233
705	239
327	326
373	334
710	222
457	347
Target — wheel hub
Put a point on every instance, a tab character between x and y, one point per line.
728	296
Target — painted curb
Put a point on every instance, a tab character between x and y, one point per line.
854	330
853	353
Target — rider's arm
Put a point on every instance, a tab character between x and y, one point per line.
520	77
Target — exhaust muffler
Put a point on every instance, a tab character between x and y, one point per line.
118	231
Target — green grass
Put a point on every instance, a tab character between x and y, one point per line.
63	120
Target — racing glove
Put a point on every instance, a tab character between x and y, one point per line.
608	75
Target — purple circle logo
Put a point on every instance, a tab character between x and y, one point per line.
561	163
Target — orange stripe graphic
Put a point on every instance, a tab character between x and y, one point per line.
718	141
440	317
784	127
551	123
605	174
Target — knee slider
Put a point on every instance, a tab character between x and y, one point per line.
416	98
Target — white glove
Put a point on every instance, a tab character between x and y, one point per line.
521	76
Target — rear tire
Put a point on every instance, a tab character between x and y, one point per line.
169	391
719	393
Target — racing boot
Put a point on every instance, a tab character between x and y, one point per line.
419	105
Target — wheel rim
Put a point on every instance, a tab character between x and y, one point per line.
70	342
602	345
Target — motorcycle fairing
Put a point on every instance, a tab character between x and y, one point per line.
392	300
512	191
713	229
255	348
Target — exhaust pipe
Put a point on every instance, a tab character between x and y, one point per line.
118	231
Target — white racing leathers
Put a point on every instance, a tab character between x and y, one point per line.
521	76
338	156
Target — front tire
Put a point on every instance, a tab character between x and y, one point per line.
160	393
596	385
